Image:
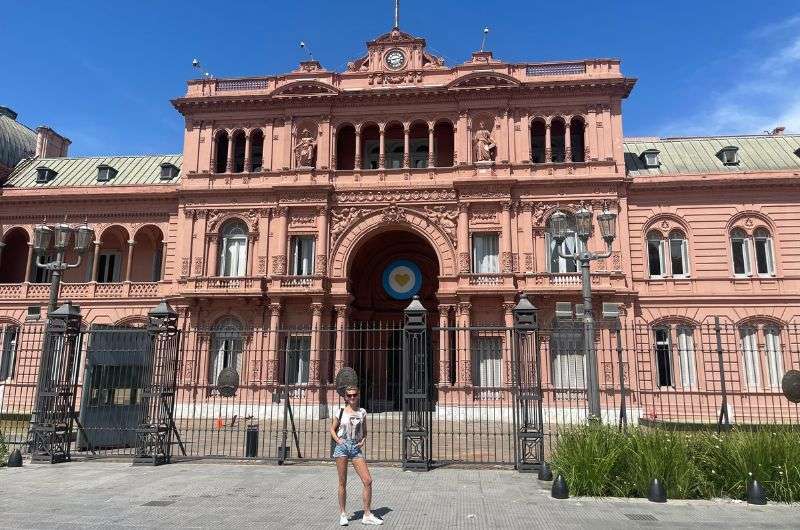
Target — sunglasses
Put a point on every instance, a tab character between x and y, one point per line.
351	395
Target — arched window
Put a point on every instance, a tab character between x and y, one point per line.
655	255
668	340
233	249
226	348
755	362
740	250
444	144
765	264
239	144
569	246
346	147
8	355
221	152
558	144
576	139
538	146
678	254
256	150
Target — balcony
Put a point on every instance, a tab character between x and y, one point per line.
295	284
223	286
570	281
481	282
84	291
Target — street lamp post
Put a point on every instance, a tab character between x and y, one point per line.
583	229
59	237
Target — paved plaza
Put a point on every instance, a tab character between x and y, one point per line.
105	494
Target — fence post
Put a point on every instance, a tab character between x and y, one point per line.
623	411
154	434
50	434
417	379
527	389
723	413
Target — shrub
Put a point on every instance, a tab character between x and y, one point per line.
600	460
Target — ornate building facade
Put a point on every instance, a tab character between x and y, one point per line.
319	199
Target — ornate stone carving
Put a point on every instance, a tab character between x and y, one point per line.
528	261
485	192
394	214
185	267
279	265
342	218
396	195
305	150
445	217
483	215
485	148
506	262
463	262
262	266
198	266
321	264
302	220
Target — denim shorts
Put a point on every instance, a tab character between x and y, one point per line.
347	449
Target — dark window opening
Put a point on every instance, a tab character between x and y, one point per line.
538	147
558	140
221	151
576	139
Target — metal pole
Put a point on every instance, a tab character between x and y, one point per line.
593	387
723	411
55	282
623	412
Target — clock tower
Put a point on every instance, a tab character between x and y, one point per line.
396	51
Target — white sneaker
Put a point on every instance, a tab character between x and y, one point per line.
372	519
343	520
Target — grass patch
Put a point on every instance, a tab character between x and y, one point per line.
599	460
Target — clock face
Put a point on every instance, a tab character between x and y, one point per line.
395	59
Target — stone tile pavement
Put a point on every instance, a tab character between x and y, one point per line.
106	494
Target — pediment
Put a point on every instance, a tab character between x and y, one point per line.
396	37
483	80
305	88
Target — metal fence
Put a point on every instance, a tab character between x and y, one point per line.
678	375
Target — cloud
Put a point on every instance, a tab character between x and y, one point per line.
762	96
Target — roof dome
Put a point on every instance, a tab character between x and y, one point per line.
16	140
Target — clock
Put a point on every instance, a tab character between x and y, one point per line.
395	59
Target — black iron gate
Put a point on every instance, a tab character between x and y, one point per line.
417	385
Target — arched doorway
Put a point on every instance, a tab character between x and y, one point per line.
386	271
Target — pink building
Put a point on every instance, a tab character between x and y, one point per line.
324	200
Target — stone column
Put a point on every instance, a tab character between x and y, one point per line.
129	264
29	264
567	142
163	260
251	254
463	349
406	145
212	267
281	233
508	320
358	162
463	238
431	151
321	260
324	144
266	152
229	163
315	365
525	237
382	151
333	160
248	163
444	345
95	261
505	239
548	152
273	370
341	337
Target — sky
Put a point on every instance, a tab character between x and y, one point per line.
103	72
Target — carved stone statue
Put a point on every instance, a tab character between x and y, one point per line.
485	148
305	150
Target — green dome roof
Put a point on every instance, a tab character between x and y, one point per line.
16	140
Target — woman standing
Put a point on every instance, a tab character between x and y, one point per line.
349	431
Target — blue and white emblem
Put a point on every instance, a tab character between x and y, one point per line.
402	279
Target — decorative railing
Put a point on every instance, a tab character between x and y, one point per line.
565	279
535	70
296	281
224	85
110	290
219	283
143	290
485	279
11	290
38	290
